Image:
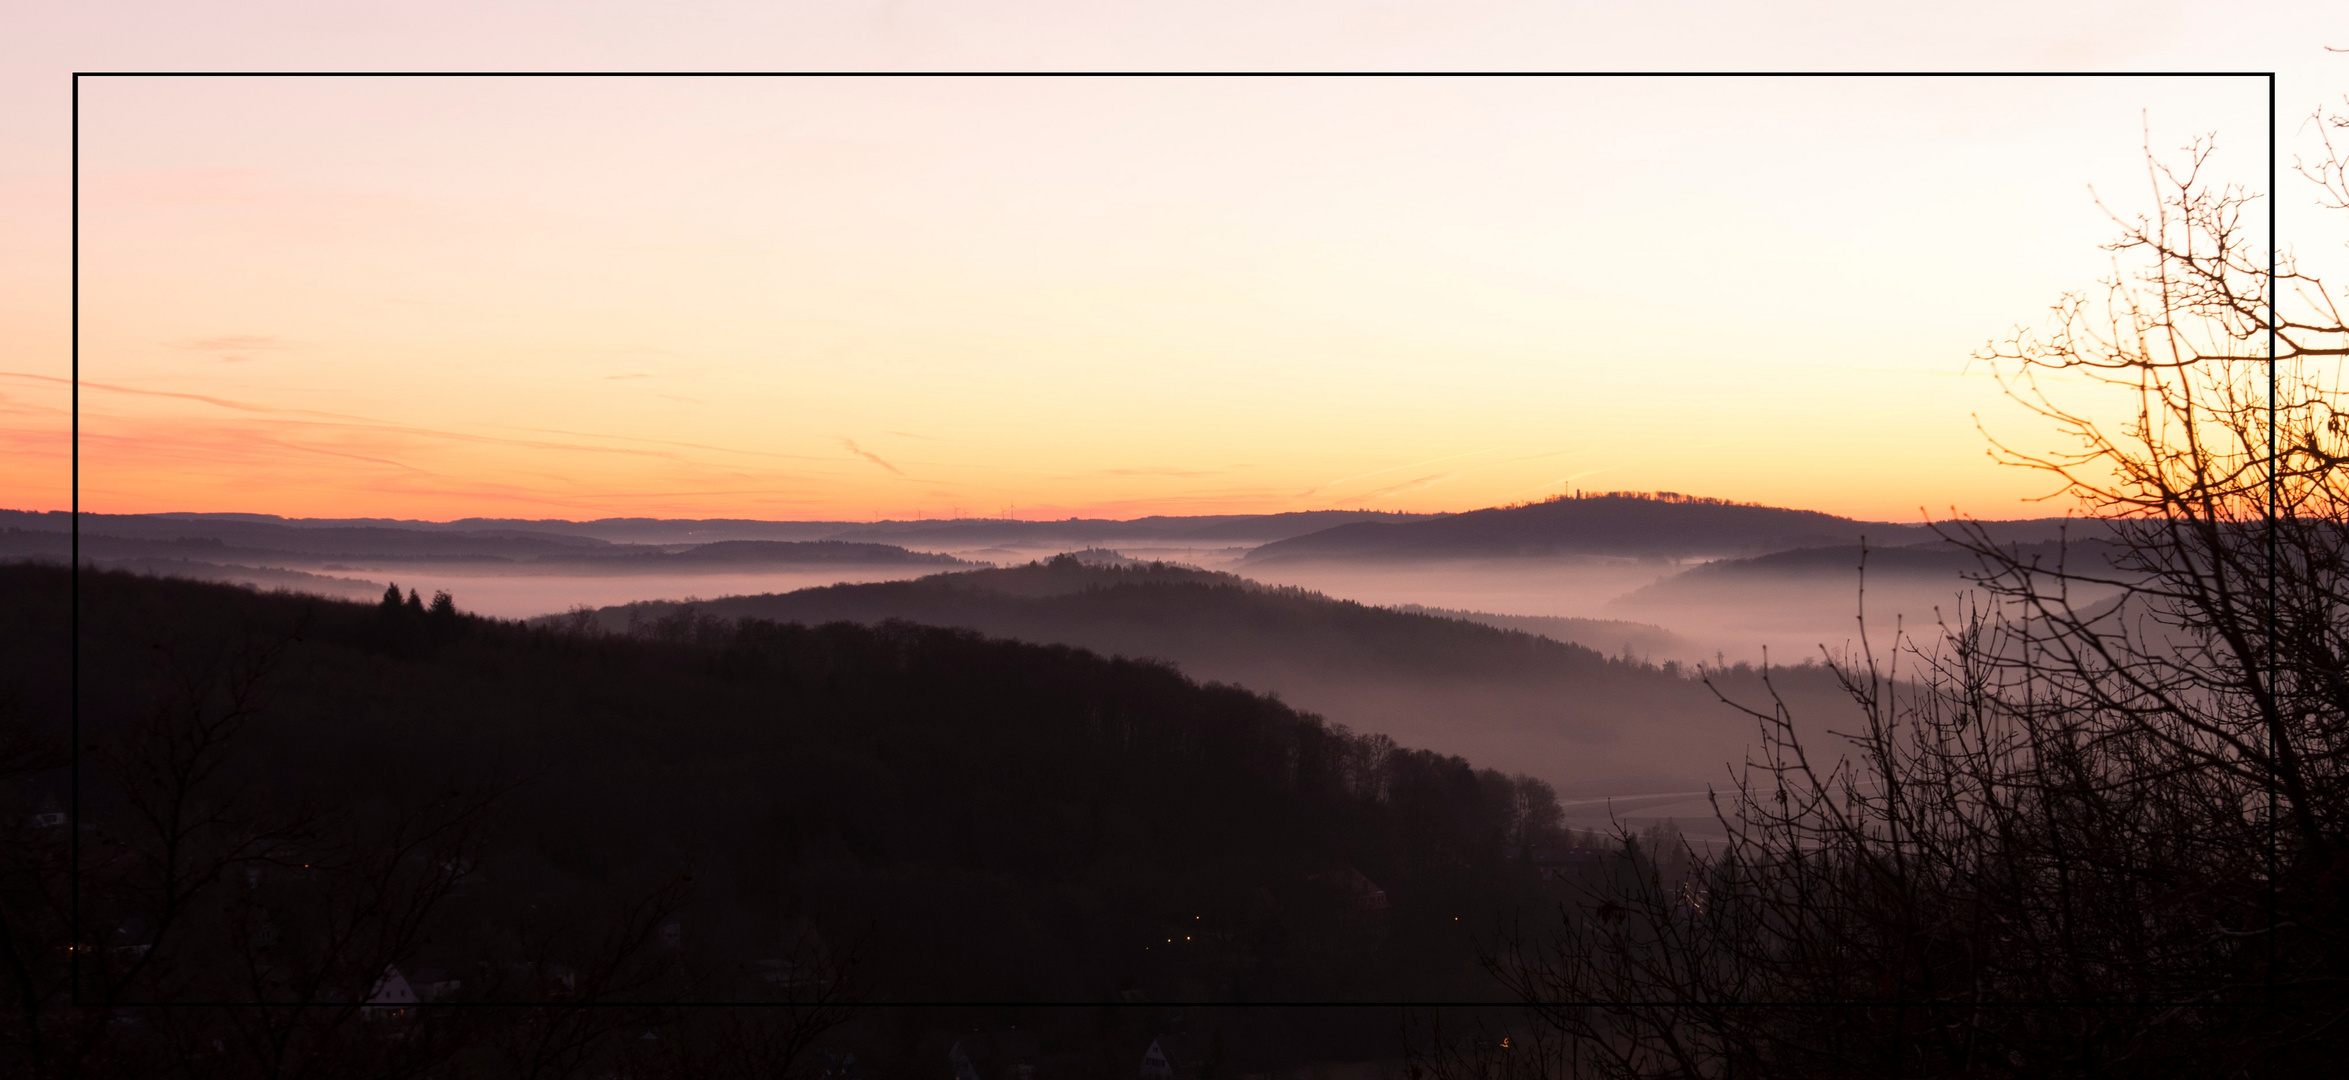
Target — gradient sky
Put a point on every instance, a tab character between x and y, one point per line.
897	297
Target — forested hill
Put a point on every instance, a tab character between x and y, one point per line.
987	820
1616	524
1560	711
1203	620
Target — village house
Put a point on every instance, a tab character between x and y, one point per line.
432	984
1174	1057
390	998
994	1055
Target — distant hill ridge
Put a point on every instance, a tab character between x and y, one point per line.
1664	525
1616	524
255	533
1557	709
1160	610
1210	528
147	537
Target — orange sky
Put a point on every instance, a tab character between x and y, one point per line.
826	298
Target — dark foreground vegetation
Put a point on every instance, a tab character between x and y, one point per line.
2101	826
286	799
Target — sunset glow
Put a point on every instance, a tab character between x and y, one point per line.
855	299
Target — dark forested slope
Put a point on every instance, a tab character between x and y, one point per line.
987	819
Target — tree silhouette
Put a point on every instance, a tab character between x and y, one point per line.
2097	824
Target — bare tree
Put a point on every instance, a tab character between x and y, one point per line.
2097	823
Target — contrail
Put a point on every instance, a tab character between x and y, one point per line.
1431	461
868	455
1429	480
390	425
1602	799
1558	481
1394	468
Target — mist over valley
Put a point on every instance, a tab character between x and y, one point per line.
1563	638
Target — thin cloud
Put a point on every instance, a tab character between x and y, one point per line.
370	423
17	404
1558	481
221	402
1515	460
1161	471
1437	478
868	455
623	350
1430	480
233	343
239	446
256	448
672	442
1325	485
1227	500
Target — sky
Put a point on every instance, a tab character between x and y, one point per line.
922	296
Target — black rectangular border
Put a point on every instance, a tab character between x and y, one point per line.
76	503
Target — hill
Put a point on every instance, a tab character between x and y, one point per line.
238	549
160	534
984	820
1615	524
1560	711
1633	525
